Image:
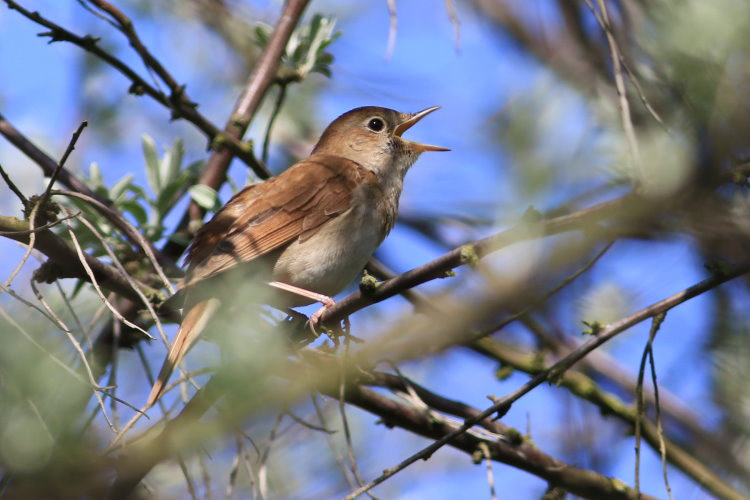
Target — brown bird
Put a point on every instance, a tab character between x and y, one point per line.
310	230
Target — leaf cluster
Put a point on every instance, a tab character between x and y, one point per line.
305	53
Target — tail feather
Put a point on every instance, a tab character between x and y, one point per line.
191	327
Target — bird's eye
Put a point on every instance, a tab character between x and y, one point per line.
376	125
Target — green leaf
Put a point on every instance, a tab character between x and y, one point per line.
96	181
135	209
261	34
170	164
138	191
152	163
179	238
204	196
77	288
194	169
165	200
116	191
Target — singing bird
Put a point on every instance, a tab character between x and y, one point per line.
309	231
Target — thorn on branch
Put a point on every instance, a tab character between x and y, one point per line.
502	410
178	93
90	41
53	36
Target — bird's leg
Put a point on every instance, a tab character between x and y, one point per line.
317	297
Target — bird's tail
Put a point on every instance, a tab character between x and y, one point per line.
191	327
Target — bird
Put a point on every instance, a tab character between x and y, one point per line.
308	231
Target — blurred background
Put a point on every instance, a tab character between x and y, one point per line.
532	109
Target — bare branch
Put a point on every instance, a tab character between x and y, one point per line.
246	106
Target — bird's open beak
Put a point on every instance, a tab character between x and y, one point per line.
409	121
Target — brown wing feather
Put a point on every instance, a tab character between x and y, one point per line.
264	217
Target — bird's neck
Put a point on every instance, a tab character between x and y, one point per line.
391	183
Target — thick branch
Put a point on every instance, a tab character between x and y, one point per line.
582	482
582	220
245	108
65	259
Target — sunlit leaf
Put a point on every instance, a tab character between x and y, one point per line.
204	196
152	163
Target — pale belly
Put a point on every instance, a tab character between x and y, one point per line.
331	259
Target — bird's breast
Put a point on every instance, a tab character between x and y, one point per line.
332	258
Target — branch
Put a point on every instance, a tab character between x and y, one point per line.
178	102
522	455
585	388
708	447
99	203
505	443
582	220
65	259
137	466
247	104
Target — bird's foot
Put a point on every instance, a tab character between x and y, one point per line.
314	320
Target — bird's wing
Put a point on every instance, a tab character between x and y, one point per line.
256	221
265	217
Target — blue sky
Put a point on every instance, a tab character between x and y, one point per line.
42	94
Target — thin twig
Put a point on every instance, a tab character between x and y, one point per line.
14	188
450	7
29	247
488	460
332	444
543	299
659	428
92	278
648	354
272	119
556	370
392	28
63	159
41	202
188	478
178	103
114	365
73	314
308	425
130	232
263	462
77	347
119	266
345	421
627	122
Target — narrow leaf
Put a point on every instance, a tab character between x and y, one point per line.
204	196
170	164
152	163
